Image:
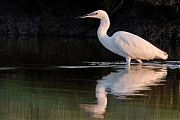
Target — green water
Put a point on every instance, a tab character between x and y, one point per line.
73	79
147	92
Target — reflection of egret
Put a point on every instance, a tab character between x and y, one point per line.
124	43
125	82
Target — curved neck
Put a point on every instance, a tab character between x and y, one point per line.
104	25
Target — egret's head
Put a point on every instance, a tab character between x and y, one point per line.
96	14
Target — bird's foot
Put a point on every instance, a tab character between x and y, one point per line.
128	60
139	60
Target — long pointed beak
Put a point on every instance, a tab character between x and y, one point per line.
82	16
87	15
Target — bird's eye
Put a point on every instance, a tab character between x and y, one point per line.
95	13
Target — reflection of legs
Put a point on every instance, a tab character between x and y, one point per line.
128	59
139	60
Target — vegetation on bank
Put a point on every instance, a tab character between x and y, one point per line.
154	20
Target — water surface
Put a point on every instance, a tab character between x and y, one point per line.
77	79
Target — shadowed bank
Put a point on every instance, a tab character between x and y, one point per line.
153	20
62	50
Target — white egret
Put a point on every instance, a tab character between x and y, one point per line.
124	43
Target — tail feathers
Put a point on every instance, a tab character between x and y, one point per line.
161	54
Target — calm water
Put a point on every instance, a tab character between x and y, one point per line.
77	79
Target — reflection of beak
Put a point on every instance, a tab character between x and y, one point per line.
87	15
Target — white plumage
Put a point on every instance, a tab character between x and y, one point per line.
124	43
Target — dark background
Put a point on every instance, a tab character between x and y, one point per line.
154	20
48	50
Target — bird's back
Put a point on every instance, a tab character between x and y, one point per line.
128	44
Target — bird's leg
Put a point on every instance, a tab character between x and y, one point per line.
139	60
128	60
